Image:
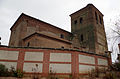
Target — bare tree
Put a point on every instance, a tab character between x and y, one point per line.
113	35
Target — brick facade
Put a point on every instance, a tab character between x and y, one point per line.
26	25
88	27
87	32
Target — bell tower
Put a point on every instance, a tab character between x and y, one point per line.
88	28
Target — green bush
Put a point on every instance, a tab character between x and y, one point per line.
18	73
4	72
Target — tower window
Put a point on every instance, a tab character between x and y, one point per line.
28	44
96	17
61	36
75	22
100	19
81	20
62	47
81	37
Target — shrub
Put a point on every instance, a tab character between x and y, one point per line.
3	70
70	76
18	73
110	75
94	73
116	66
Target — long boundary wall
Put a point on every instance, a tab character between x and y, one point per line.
59	61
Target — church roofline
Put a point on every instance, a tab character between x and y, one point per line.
37	20
49	36
84	8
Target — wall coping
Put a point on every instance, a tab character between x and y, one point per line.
63	49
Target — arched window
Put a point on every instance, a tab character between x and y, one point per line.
28	44
81	20
81	37
62	47
96	17
75	22
100	19
61	36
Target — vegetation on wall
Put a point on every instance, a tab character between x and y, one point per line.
5	72
113	72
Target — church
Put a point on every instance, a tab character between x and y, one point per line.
37	43
87	32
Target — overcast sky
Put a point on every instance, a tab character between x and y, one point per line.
55	12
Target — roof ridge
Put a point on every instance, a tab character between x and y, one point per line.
23	14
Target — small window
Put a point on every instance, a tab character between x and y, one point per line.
100	19
81	37
28	44
27	21
81	20
96	17
75	22
61	36
62	47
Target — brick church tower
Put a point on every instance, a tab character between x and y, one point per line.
87	27
87	32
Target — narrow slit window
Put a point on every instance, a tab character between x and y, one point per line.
75	22
61	36
81	20
100	19
62	47
28	44
81	37
96	17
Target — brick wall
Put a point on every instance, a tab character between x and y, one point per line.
61	62
46	41
26	25
89	29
